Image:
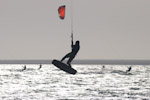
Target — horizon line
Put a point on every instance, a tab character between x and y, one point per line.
81	61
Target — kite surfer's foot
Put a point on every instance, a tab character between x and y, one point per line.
69	65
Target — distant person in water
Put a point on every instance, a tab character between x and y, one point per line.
103	67
72	54
40	66
129	69
24	68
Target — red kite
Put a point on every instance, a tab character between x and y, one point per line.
61	11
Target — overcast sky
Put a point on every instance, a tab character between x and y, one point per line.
107	29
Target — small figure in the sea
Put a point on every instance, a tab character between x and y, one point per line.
103	67
72	54
24	68
40	66
129	69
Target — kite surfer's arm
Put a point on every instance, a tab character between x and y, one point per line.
72	40
71	43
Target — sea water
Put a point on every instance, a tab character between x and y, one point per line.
92	82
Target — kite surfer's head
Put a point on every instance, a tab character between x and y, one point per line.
77	42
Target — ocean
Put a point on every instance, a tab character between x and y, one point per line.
92	82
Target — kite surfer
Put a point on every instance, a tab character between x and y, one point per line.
103	67
75	47
24	68
40	66
129	69
72	54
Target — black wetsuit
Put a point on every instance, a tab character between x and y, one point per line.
72	54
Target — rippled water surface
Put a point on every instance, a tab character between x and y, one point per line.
92	82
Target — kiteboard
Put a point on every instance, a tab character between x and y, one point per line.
64	67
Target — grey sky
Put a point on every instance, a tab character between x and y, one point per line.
107	29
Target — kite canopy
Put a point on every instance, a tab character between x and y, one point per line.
61	12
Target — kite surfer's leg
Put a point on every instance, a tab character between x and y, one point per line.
66	56
69	61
